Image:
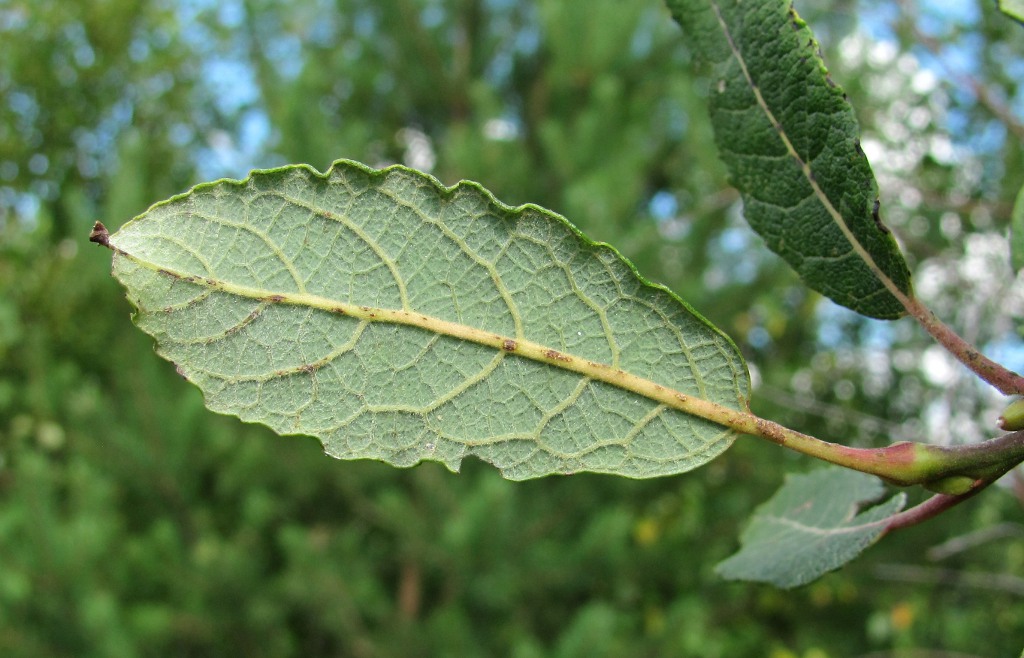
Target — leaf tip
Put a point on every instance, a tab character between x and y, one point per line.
100	235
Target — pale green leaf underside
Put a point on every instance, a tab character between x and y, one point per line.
790	141
810	527
397	319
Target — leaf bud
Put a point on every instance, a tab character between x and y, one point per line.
1012	417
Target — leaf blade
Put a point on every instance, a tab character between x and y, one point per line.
788	137
1013	9
401	320
809	527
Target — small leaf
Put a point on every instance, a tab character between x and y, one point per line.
1017	232
810	527
397	319
789	139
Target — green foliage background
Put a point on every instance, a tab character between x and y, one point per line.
134	522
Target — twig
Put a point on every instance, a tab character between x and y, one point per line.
974	539
909	573
930	508
1003	379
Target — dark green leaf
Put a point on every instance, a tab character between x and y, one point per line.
810	527
790	141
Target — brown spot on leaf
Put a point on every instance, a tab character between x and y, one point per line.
770	431
255	313
509	345
794	18
875	216
557	356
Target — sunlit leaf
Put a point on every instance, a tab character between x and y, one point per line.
397	319
1013	8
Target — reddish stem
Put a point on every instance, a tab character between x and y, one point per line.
1007	381
932	507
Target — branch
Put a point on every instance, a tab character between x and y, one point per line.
1003	379
910	573
974	539
930	508
950	470
986	98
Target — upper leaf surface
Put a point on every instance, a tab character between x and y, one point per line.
790	141
397	319
810	527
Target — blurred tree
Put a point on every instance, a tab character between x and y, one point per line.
133	522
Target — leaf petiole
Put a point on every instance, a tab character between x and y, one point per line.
955	470
1003	379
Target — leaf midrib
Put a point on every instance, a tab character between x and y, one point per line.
902	297
823	531
507	345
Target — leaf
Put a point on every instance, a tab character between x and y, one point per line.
810	527
1017	232
788	137
1012	8
397	319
